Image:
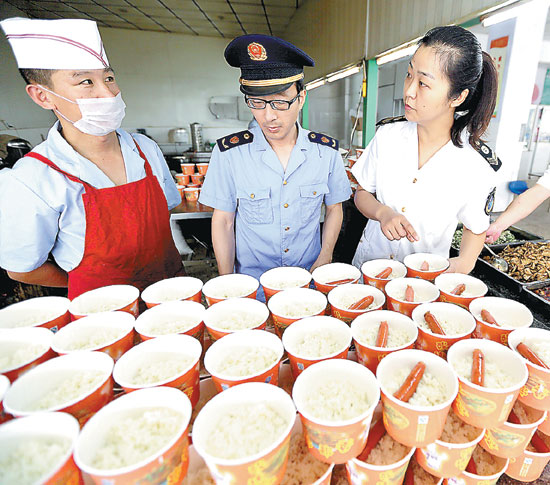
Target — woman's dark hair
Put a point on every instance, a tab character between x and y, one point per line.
467	67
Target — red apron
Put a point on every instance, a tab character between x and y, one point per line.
128	239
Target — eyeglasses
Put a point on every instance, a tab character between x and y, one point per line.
277	104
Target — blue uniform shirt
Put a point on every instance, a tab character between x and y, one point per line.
277	212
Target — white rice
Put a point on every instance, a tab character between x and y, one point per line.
234	291
337	400
541	347
30	317
394	274
136	437
285	284
495	377
245	429
450	326
346	300
318	343
92	338
367	335
235	319
240	361
16	355
420	295
37	457
159	369
172	294
97	305
430	391
166	324
299	309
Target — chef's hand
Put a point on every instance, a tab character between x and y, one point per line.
460	265
321	260
395	226
493	233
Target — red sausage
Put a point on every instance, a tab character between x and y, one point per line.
478	368
340	282
487	317
385	273
539	443
471	467
425	266
375	435
409	293
408	388
362	304
382	338
434	325
512	418
409	475
459	289
530	355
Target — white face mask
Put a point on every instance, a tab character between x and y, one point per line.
100	116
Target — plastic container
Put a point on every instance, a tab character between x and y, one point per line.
122	298
87	327
370	269
230	286
335	441
368	354
167	465
180	288
413	262
326	277
447	282
482	406
299	332
283	278
424	291
339	296
51	312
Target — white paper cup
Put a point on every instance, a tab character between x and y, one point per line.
230	286
340	297
106	298
51	312
325	276
437	264
447	282
172	289
284	278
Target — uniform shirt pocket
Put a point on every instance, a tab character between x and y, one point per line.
255	205
311	199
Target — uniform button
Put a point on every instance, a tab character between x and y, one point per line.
402	209
284	182
252	196
314	193
415	180
287	228
286	250
285	206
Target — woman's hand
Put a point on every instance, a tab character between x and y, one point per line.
493	233
460	265
395	226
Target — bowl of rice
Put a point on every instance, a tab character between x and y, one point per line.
343	298
396	292
460	289
455	322
4	386
314	339
415	474
50	312
111	298
235	314
23	348
171	361
511	438
402	334
79	384
505	373
284	278
449	455
140	437
486	469
288	306
173	318
38	449
109	332
508	315
425	265
420	420
172	289
330	275
244	356
536	392
243	433
374	272
230	286
336	400
529	466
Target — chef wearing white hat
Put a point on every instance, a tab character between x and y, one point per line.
92	197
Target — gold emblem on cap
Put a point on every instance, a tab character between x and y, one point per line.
257	52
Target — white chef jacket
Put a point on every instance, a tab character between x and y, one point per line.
41	210
453	186
545	179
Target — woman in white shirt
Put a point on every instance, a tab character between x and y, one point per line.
426	171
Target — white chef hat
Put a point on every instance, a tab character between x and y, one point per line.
55	44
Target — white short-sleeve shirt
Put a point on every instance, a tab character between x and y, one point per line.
545	179
453	186
41	210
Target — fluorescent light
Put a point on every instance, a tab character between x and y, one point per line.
506	12
342	74
405	51
315	84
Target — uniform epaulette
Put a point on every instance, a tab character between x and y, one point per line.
323	140
235	140
391	119
488	154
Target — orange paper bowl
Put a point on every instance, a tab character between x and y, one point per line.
370	269
181	190
536	392
188	168
406	423
85	333
438	264
4	386
457	323
325	276
510	315
447	282
424	291
51	312
46	378
112	298
191	194
23	348
364	330
152	356
467	478
235	344
182	179
179	288
529	465
315	332
165	465
483	406
509	440
230	286
268	464
197	178
284	278
335	441
173	318
17	435
545	425
235	314
288	306
341	297
202	168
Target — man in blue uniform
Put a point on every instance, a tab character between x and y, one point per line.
267	184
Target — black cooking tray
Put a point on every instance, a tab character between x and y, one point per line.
534	301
